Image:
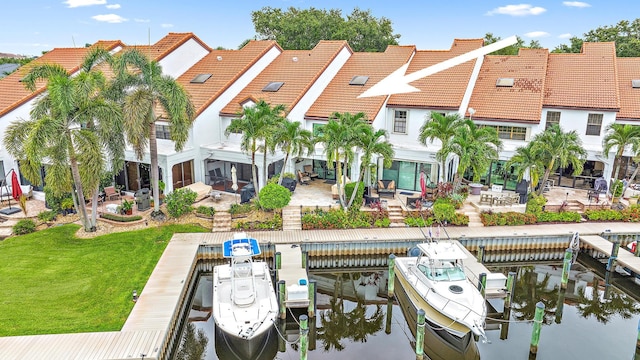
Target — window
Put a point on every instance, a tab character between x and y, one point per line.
594	124
273	86
318	129
510	132
553	118
162	132
200	78
504	82
400	122
359	80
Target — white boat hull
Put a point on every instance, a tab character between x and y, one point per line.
458	313
247	324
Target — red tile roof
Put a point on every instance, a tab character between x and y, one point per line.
341	97
167	44
522	101
628	70
444	89
224	72
587	80
12	91
298	69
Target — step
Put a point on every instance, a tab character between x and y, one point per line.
5	232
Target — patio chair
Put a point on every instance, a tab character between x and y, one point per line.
215	177
303	179
308	169
110	193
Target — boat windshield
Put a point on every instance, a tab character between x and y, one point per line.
443	271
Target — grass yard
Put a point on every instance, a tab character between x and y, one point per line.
52	282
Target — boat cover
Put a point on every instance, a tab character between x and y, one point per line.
227	247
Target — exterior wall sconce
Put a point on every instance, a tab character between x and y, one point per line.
135	296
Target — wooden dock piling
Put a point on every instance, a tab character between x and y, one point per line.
304	337
566	267
420	335
392	275
537	325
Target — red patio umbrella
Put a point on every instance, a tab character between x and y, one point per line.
423	184
16	190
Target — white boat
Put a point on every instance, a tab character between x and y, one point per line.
244	300
435	281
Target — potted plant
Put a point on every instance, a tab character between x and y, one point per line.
126	207
66	205
633	200
616	190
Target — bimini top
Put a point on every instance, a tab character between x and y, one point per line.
241	247
442	251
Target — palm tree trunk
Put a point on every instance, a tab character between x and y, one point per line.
94	208
547	172
253	170
284	166
444	163
153	154
264	163
355	189
635	172
75	173
618	160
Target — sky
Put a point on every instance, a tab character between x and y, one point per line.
32	26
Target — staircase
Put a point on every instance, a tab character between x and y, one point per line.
473	214
573	205
395	215
221	221
291	218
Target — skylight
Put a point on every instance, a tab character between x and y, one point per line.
273	86
200	78
505	82
359	80
635	83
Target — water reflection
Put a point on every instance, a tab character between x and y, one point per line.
355	320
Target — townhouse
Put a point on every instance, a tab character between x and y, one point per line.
520	95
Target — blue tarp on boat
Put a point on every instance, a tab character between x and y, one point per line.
228	246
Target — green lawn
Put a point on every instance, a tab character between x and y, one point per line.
52	282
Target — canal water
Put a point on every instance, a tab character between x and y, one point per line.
589	320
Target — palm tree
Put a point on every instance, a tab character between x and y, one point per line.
294	141
251	123
340	136
273	121
372	143
526	159
147	91
619	136
69	129
559	149
475	147
442	128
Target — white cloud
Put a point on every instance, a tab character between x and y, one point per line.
167	25
110	18
579	4
536	34
565	36
517	10
79	3
142	20
113	6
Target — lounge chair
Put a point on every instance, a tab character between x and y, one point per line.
303	179
308	169
387	188
110	193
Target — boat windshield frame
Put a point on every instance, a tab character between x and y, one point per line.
442	270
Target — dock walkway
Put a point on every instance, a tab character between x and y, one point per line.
625	258
294	275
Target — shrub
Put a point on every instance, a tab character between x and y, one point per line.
274	179
274	196
179	202
53	200
604	215
418	221
382	223
236	209
535	204
336	219
206	210
348	191
510	218
443	212
456	200
119	218
272	224
47	216
24	226
565	216
632	213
